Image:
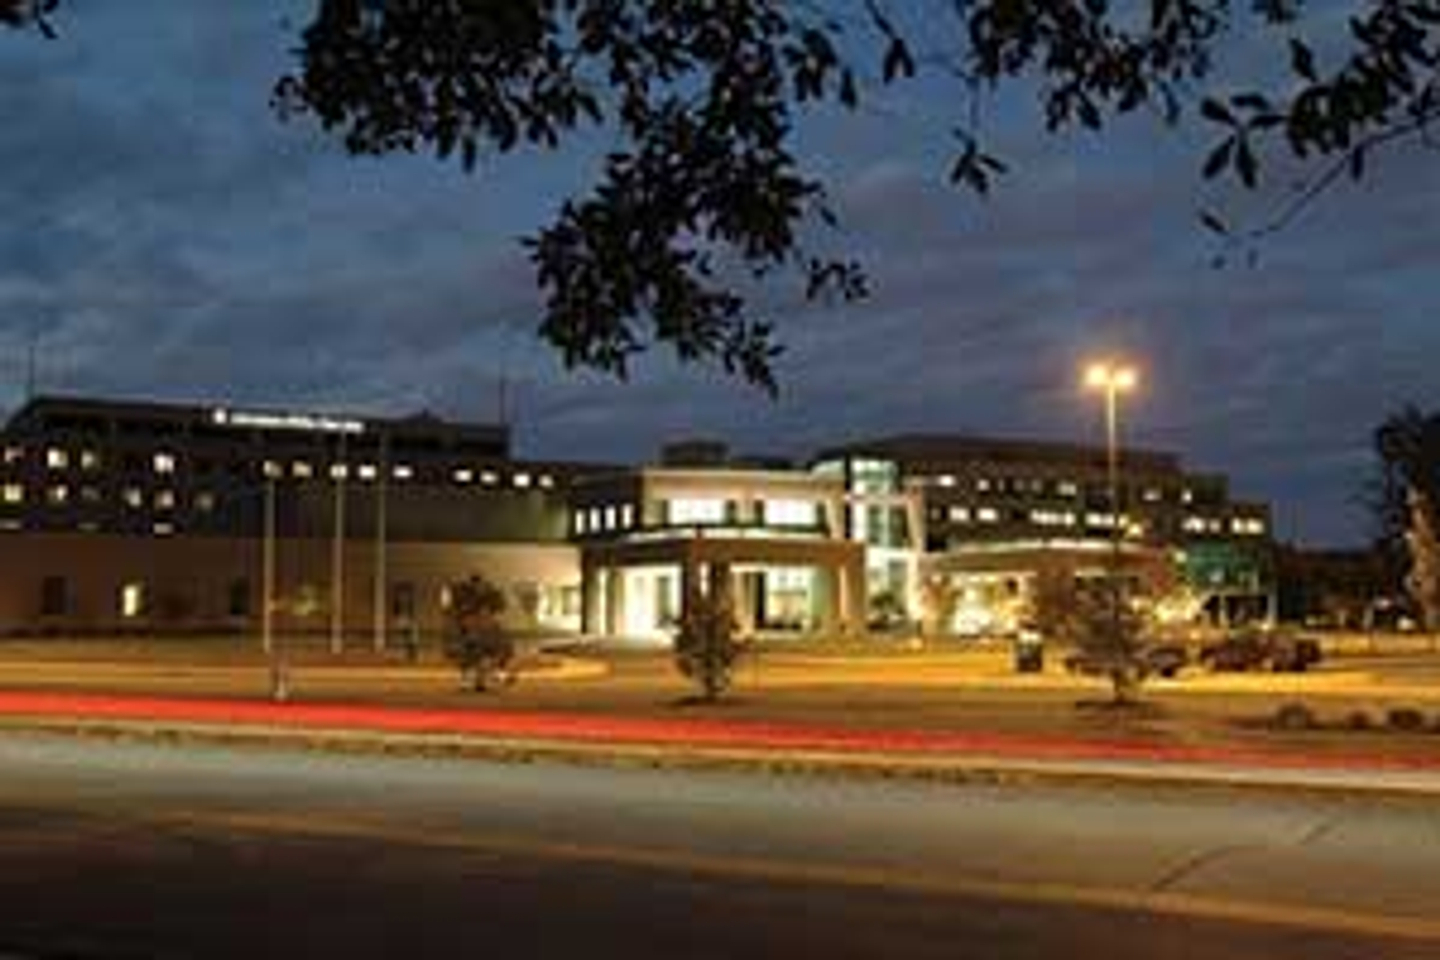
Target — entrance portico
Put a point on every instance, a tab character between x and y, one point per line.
636	588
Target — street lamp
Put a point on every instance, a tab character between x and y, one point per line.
1112	379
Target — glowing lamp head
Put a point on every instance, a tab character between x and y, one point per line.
1111	376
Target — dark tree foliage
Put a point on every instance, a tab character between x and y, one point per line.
703	94
701	98
28	13
1407	445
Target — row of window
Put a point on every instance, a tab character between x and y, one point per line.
696	511
165	464
1241	526
1035	486
603	519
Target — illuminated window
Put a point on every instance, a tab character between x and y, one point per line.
627	516
164	499
367	471
339	471
610	518
521	480
982	484
56	459
301	470
133	497
163	529
987	515
547	482
14	455
205	501
594	518
489	477
791	513
1194	525
89	460
13	493
579	522
696	510
1052	518
164	463
946	480
959	514
1067	488
463	475
1153	495
58	494
132	600
403	471
1187	495
271	469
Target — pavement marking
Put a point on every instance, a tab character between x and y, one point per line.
790	872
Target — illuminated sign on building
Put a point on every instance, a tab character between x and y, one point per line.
310	423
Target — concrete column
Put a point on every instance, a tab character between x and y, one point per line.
826	602
853	602
589	598
615	601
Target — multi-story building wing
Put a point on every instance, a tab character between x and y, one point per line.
142	514
988	514
649	535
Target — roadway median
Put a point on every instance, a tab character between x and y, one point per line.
709	742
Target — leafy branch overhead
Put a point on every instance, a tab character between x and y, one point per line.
28	13
704	95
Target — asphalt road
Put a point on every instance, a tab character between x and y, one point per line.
126	850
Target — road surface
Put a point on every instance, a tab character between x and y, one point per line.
114	850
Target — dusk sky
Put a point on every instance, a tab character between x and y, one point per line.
171	238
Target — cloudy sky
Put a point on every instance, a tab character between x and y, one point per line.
168	237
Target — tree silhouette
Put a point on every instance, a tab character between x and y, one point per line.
1409	447
28	13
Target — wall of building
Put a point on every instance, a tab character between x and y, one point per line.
206	584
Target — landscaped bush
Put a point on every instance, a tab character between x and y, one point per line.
474	639
1405	719
1295	716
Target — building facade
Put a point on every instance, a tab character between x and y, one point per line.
145	517
983	517
139	516
650	535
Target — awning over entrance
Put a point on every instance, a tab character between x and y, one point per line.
836	578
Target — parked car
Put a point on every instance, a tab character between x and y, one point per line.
1155	659
1257	650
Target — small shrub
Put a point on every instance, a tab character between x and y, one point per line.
474	639
706	646
1405	719
1295	716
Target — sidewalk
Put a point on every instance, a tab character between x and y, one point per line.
695	742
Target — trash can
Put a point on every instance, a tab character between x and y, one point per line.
1029	653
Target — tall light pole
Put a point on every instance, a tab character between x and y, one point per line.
382	489
279	661
338	472
1112	379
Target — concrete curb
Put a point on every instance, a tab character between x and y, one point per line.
977	770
